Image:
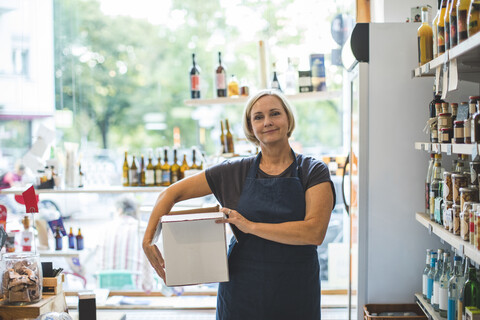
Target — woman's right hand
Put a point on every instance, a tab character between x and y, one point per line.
156	260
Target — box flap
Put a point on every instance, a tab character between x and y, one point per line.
192	217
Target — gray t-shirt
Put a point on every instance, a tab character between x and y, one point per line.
226	179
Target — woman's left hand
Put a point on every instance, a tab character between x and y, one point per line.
236	219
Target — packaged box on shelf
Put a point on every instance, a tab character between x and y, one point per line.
472	313
195	248
393	311
53	285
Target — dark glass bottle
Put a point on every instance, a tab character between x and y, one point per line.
142	171
71	239
222	137
58	239
79	240
194	79
229	138
275	83
471	289
221	78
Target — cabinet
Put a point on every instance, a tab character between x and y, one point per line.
465	58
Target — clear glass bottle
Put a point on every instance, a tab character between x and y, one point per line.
184	167
435	189
441	28
275	83
431	276
434	29
150	172
454	287
436	280
453	24
428	181
233	87
473	19
444	278
425	275
446	19
291	77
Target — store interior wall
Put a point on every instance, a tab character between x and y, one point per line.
396	11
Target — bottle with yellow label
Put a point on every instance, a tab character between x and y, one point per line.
165	169
126	168
233	87
184	167
473	17
175	168
462	20
425	39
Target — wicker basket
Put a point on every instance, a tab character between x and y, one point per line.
377	309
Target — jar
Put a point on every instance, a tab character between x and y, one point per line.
459	180
444	135
467	131
447	186
445	120
458	133
456	219
468	195
474	171
464	221
447	215
22	278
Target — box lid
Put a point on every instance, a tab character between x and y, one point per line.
192	217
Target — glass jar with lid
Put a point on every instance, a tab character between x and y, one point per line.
22	278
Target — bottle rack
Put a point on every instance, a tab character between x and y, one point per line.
427	308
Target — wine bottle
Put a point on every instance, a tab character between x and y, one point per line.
142	171
184	167
58	239
81	176
125	181
222	138
194	79
471	289
221	78
133	178
150	173
175	168
165	169
229	138
275	83
158	169
194	165
425	39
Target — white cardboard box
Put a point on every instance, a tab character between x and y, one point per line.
195	249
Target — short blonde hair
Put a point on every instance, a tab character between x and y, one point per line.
247	125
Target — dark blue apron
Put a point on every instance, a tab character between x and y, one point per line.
270	280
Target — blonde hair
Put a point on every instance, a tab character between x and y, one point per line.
247	126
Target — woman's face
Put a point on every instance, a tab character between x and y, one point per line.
269	120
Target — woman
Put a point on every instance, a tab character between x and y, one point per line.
278	204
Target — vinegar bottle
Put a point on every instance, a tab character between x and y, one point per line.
462	17
175	169
453	24
142	171
194	79
184	167
473	17
194	159
229	138
221	78
425	39
125	181
165	169
441	28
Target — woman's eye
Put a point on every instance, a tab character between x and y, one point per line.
257	117
276	113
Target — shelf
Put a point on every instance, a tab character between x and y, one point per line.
99	189
321	95
468	64
463	247
448	148
427	308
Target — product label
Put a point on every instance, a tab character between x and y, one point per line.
425	285
429	289
195	82
452	309
174	177
158	175
133	177
447	35
462	25
441	39
165	176
453	31
150	177
446	191
443	298
221	81
436	292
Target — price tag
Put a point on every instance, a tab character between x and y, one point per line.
439	148
449	149
427	67
417	72
437	79
453	76
429	147
430	229
474	152
445	81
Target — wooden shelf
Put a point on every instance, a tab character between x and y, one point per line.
321	95
99	189
468	64
463	247
448	148
427	308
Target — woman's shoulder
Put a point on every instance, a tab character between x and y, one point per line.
233	164
310	162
